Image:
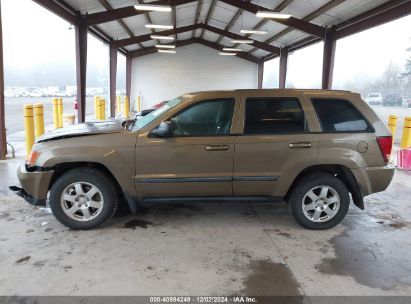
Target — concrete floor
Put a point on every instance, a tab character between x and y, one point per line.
208	249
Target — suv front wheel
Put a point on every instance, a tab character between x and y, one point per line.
83	198
319	201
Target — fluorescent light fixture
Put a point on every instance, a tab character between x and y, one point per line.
232	50
227	54
242	41
254	32
165	46
162	37
159	26
275	15
167	51
152	8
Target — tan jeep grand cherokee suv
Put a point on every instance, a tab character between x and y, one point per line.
310	148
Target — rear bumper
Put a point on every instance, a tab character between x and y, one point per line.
374	179
35	185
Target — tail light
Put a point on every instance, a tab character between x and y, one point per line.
385	144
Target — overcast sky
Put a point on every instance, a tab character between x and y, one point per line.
32	35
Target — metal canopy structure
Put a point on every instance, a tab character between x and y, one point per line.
214	23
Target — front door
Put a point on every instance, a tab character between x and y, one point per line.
197	160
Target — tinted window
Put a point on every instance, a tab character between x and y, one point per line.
211	117
273	116
339	116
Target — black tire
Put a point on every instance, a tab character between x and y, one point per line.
91	176
307	183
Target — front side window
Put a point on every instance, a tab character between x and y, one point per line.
337	115
274	116
211	117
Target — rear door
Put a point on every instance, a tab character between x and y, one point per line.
275	144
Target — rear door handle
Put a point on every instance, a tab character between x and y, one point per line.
217	148
300	145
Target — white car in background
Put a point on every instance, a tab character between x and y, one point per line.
60	94
374	99
36	94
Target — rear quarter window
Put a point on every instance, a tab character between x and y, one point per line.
339	115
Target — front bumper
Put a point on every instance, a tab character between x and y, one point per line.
35	185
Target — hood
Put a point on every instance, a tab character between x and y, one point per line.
83	129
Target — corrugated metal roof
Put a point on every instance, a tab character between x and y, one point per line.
221	16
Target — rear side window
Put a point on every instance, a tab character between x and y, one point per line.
274	116
337	115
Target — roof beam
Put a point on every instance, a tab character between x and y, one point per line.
278	8
125	12
146	37
152	50
204	42
217	47
59	11
232	21
174	20
108	7
210	12
198	10
148	19
261	45
323	9
384	13
293	22
142	38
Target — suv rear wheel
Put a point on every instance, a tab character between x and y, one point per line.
319	201
83	198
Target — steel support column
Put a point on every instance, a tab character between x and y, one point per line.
328	59
129	61
113	79
81	69
3	145
260	74
283	68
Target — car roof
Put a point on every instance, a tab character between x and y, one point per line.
312	91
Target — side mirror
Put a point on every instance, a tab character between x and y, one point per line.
164	129
127	123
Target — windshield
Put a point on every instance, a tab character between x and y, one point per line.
145	120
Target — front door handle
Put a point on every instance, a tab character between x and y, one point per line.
300	145
217	148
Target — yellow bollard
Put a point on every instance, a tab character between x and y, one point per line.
39	119
60	108
96	106
29	127
406	134
138	103
99	101
392	125
56	113
103	109
126	107
118	107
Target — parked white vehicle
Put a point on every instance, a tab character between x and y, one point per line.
36	94
9	93
60	94
374	99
